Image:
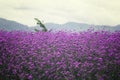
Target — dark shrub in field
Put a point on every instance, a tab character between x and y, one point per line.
59	56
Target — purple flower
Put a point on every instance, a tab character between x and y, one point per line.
59	55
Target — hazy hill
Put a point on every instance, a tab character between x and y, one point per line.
73	26
12	25
70	26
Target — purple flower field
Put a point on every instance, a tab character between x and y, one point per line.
61	55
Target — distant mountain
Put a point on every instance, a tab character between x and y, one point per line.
76	27
12	25
70	26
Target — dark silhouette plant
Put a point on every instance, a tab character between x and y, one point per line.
41	25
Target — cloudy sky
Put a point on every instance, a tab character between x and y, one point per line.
105	12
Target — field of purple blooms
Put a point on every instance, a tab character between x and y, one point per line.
61	55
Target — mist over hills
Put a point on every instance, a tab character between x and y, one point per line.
76	27
12	25
70	26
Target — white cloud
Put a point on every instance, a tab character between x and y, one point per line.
61	11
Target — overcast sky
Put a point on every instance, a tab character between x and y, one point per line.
101	12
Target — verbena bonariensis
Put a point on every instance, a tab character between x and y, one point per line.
59	56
